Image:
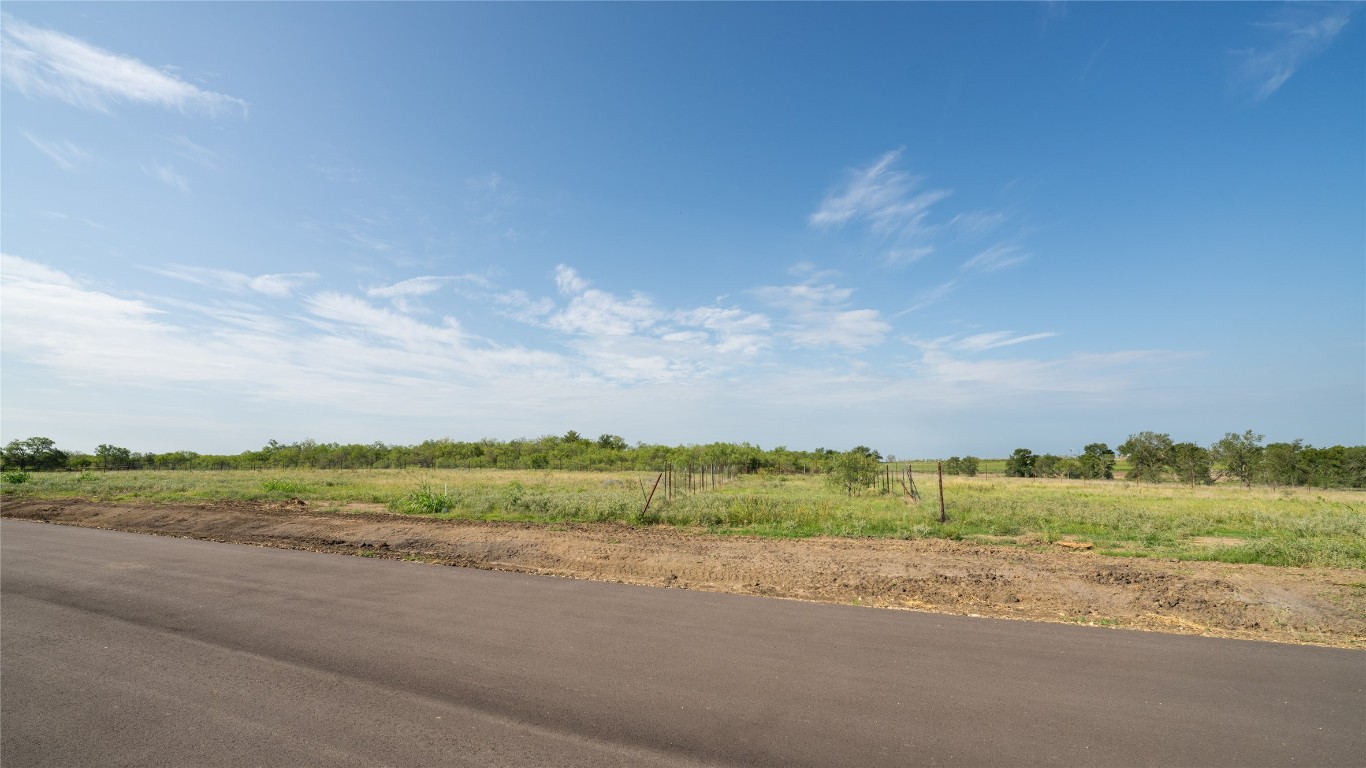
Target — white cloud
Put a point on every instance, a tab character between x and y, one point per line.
42	63
725	320
807	296
1298	32
737	332
519	305
817	317
65	154
279	285
599	313
590	311
393	326
852	330
633	338
26	274
568	281
415	286
348	353
359	362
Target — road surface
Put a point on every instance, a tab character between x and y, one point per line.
122	649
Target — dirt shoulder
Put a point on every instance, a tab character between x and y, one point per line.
1297	605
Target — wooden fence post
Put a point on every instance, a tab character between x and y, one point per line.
943	518
651	496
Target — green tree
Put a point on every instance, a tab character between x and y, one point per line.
611	442
853	470
1282	463
866	451
1324	466
114	457
1354	466
1239	455
970	465
1047	465
34	453
1149	453
1191	463
1097	462
954	466
1021	463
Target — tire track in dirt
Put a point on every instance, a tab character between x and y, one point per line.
1304	605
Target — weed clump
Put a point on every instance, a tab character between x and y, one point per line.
284	486
426	500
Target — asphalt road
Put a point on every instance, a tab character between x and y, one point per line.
120	649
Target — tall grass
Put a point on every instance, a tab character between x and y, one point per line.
1227	523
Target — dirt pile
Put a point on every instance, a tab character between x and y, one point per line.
1322	606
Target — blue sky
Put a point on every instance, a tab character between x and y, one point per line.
930	228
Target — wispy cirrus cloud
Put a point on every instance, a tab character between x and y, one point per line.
892	204
405	293
44	63
983	341
951	367
357	236
414	286
929	297
168	175
278	285
195	153
974	225
1296	33
995	258
77	219
897	215
66	155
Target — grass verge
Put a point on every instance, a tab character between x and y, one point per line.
1221	523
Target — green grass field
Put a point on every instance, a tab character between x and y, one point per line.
1222	522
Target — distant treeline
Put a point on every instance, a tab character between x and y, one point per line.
1154	457
568	451
1149	456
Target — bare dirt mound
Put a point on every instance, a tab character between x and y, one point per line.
1305	605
